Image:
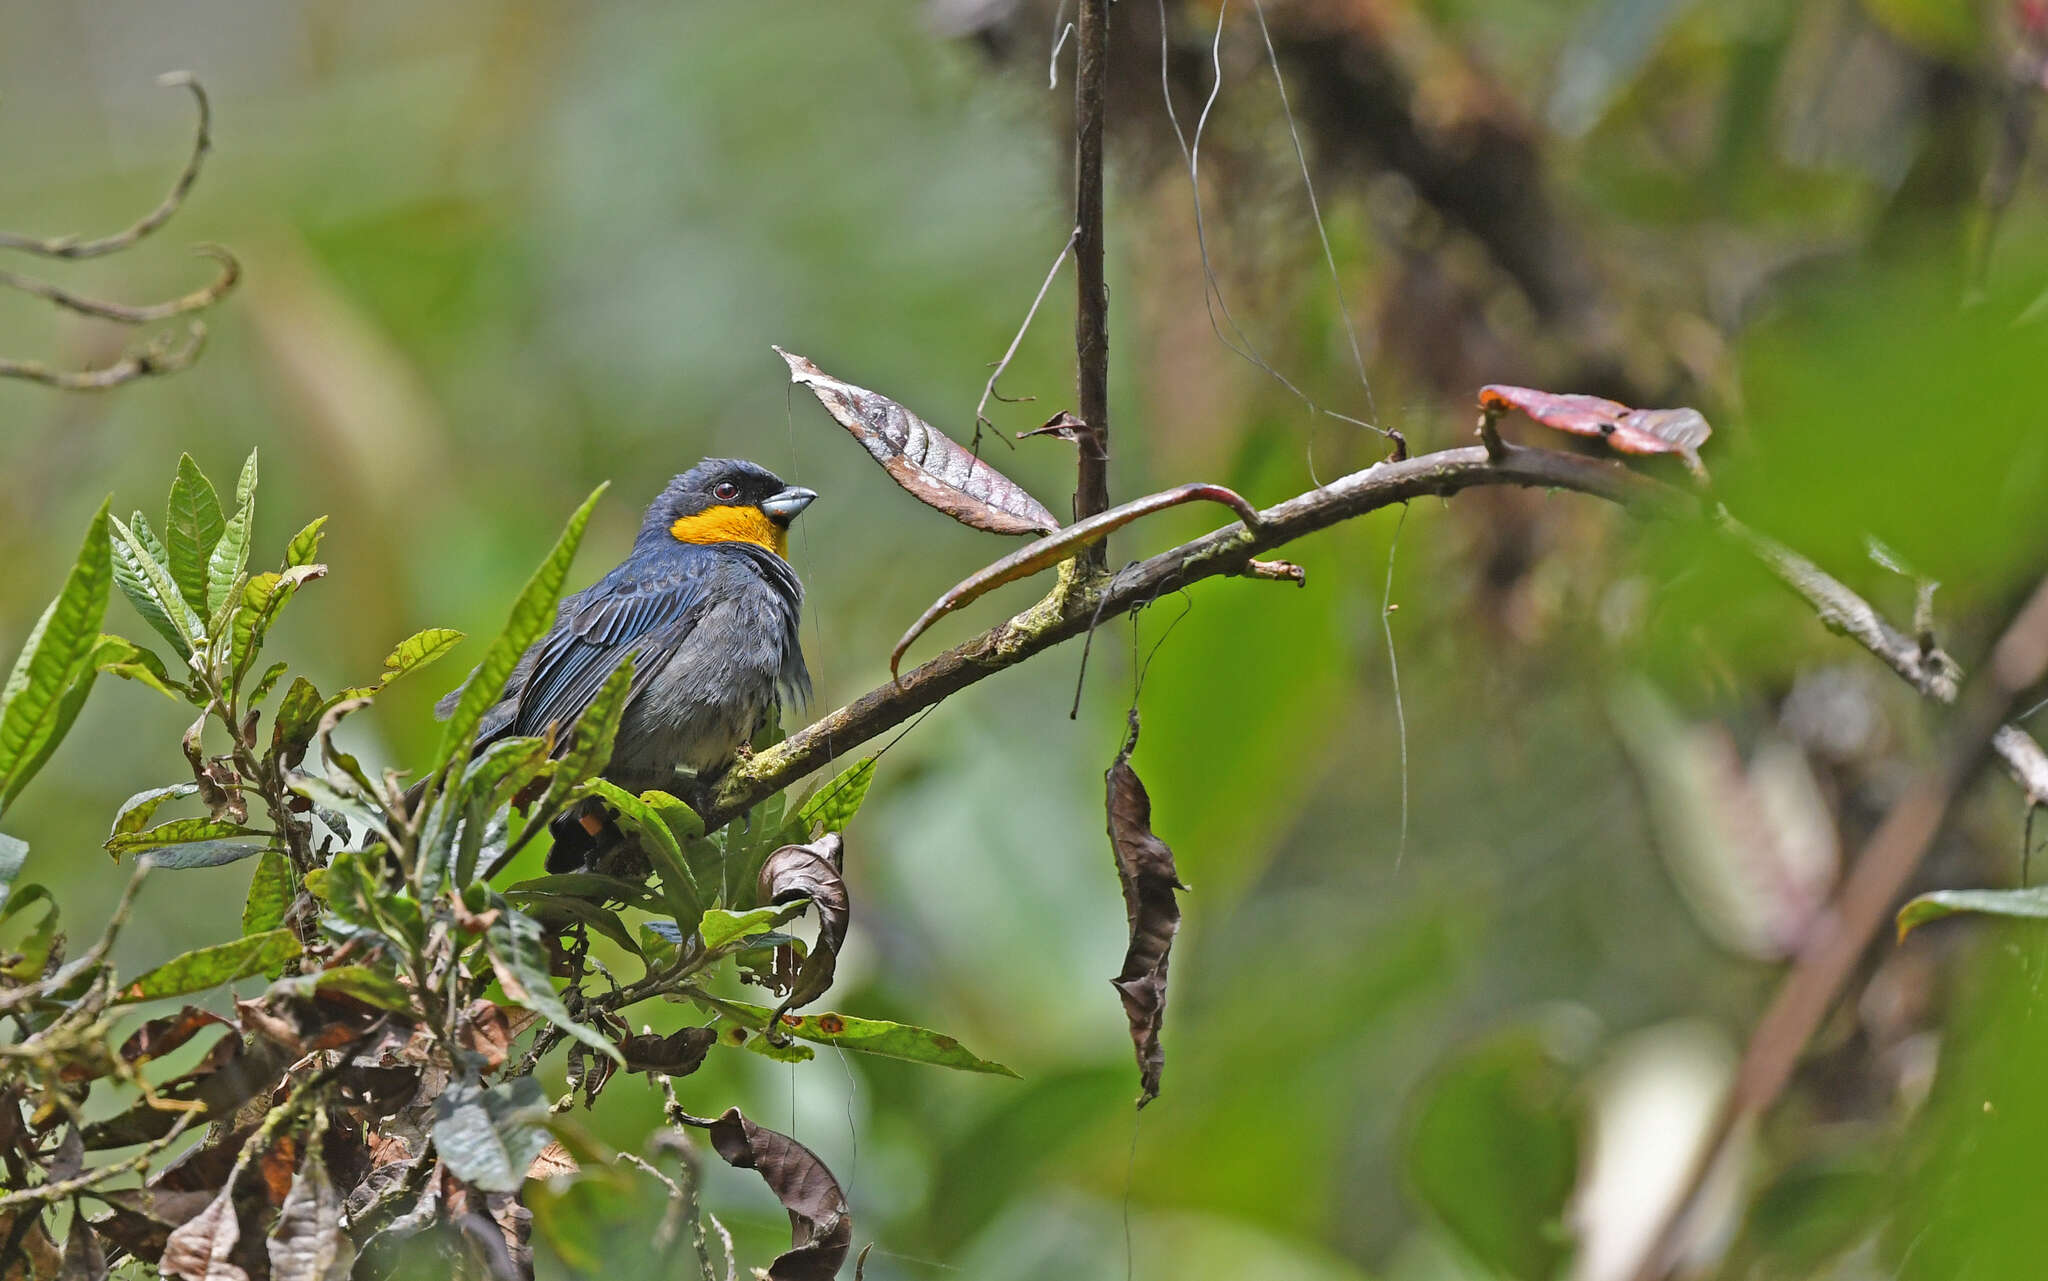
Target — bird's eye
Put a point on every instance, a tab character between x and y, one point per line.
725	491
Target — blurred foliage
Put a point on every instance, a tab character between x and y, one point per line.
499	253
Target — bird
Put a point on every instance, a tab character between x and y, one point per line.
707	607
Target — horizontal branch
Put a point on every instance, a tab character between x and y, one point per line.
1078	603
161	355
134	314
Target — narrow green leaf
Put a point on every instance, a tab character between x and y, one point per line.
297	716
179	831
417	650
2030	903
520	960
590	745
869	1036
212	966
13	853
833	806
502	770
489	1138
590	885
190	854
68	708
267	681
55	660
230	558
146	581
193	523
720	927
532	614
305	545
637	814
551	908
271	891
135	812
245	486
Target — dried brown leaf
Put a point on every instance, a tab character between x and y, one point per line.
820	1226
678	1054
84	1259
922	459
814	872
307	1243
554	1159
1627	431
159	1037
199	1249
1144	864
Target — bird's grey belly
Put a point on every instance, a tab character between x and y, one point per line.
707	699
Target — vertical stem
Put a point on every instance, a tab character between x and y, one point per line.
1091	310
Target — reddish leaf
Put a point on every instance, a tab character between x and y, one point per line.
159	1037
820	1227
813	872
1628	431
1144	864
307	1242
924	460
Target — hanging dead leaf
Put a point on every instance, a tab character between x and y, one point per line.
1144	864
814	872
678	1054
1627	431
1063	425
924	460
820	1226
307	1243
84	1258
199	1249
159	1037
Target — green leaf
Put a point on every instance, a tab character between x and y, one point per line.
264	597
590	747
267	680
135	812
212	966
230	559
590	885
720	927
131	662
2030	903
179	831
489	1138
32	952
637	814
297	716
192	525
54	663
271	891
869	1036
417	650
371	987
13	853
205	854
520	960
833	806
146	581
532	614
245	485
550	908
305	545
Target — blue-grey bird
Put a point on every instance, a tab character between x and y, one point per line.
706	604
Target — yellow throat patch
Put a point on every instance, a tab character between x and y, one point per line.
733	525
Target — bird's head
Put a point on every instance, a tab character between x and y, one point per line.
727	500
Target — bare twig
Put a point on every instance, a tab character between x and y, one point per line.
1881	872
47	1193
161	355
1091	307
988	391
71	247
126	314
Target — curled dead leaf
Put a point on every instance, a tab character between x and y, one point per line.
813	872
200	1248
820	1225
1627	431
923	460
677	1054
1144	865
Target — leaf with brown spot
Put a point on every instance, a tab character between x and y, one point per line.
198	1249
307	1243
813	872
159	1037
1144	864
820	1226
924	460
1627	431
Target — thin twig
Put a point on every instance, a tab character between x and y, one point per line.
1876	880
127	314
45	1193
1091	305
71	247
159	357
988	391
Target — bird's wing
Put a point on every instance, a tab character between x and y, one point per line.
600	628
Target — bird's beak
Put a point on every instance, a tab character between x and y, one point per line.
786	506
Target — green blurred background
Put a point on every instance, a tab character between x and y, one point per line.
497	252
